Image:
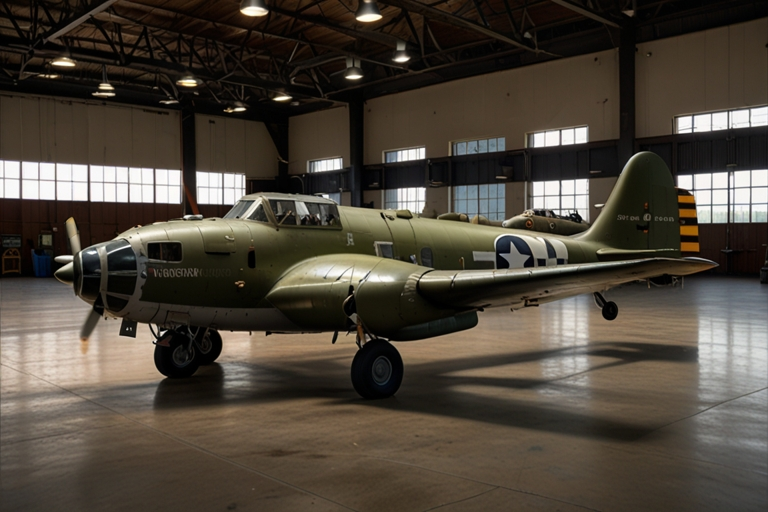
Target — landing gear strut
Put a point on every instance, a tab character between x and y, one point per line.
179	353
377	370
610	309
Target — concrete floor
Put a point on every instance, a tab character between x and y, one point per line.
551	408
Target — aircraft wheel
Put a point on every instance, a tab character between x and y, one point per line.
610	311
377	370
176	361
209	348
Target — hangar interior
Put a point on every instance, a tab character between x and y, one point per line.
503	105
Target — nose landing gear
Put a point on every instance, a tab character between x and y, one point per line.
179	353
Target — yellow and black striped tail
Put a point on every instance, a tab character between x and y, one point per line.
689	222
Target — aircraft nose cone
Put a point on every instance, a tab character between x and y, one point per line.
66	274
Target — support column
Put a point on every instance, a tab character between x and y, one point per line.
356	148
188	163
627	92
278	130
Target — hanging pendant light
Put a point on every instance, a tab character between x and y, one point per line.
353	71
401	54
282	96
367	11
253	8
106	90
188	81
63	62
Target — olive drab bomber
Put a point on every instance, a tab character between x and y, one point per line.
294	263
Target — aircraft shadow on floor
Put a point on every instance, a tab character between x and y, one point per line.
438	388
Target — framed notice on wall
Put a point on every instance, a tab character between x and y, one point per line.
11	241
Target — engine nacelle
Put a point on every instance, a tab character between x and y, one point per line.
386	298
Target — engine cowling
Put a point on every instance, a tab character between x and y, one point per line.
386	298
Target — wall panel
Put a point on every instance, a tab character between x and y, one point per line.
319	135
716	69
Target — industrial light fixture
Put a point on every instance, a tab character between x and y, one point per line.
235	107
188	81
253	8
401	55
63	62
169	101
106	90
282	96
367	11
353	71
50	76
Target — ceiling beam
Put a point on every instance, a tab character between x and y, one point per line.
584	11
78	19
456	21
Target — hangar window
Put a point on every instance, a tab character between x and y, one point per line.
167	186
38	181
141	185
722	120
562	196
71	182
476	146
742	196
10	180
164	251
325	164
109	184
412	199
558	137
405	155
219	188
486	200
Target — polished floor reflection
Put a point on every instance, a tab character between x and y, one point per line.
550	408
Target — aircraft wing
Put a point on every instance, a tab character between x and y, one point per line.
520	287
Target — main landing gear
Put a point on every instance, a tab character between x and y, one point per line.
179	353
610	309
377	370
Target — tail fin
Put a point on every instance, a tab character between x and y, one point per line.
689	222
641	215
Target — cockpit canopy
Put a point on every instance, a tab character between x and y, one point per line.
287	210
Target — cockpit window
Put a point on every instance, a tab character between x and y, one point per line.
164	251
285	212
238	210
318	214
259	214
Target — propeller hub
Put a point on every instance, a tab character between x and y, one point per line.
66	274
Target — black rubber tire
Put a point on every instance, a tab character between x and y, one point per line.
174	361
610	311
377	370
209	348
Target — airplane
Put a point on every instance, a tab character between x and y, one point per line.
284	263
547	221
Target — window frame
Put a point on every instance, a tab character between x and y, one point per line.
547	198
533	139
476	191
457	151
334	163
404	154
400	203
757	116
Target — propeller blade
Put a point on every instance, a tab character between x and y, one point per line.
72	234
93	318
64	259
